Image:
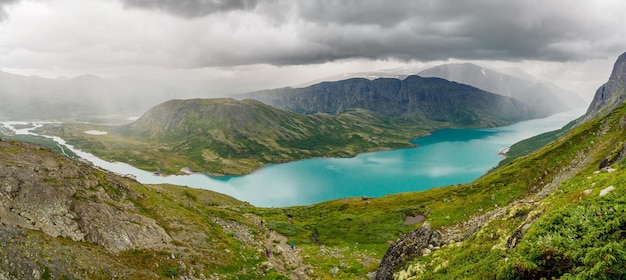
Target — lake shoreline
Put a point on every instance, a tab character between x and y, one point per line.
371	174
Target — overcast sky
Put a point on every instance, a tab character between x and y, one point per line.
243	45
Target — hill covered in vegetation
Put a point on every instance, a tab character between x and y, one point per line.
226	136
231	137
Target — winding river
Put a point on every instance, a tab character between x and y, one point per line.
446	157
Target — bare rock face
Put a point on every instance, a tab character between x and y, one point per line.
116	229
408	247
43	191
46	208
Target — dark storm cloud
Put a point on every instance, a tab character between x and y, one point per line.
329	30
383	13
480	29
193	8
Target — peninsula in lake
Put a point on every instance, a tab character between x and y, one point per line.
333	119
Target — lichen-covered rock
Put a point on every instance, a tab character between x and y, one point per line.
42	191
116	229
405	248
607	190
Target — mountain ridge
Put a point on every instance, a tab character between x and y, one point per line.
611	94
432	98
546	98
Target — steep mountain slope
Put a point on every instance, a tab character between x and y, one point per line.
431	98
571	227
545	98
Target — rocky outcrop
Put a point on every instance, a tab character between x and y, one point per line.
517	235
617	155
411	245
611	94
117	229
42	191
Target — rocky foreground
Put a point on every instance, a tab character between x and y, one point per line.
61	218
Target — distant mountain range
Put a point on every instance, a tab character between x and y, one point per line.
429	98
545	98
90	97
85	97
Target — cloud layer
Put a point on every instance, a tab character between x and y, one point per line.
272	43
3	3
209	33
193	8
304	32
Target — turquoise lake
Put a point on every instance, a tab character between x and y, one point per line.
446	157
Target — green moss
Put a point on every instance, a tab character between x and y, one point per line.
169	272
285	228
43	141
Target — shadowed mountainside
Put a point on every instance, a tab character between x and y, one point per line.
430	98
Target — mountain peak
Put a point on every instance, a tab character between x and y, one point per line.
611	94
619	69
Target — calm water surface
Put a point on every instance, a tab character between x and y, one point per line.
447	157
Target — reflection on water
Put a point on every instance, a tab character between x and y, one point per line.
447	157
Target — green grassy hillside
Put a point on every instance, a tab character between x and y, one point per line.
545	186
557	230
534	143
